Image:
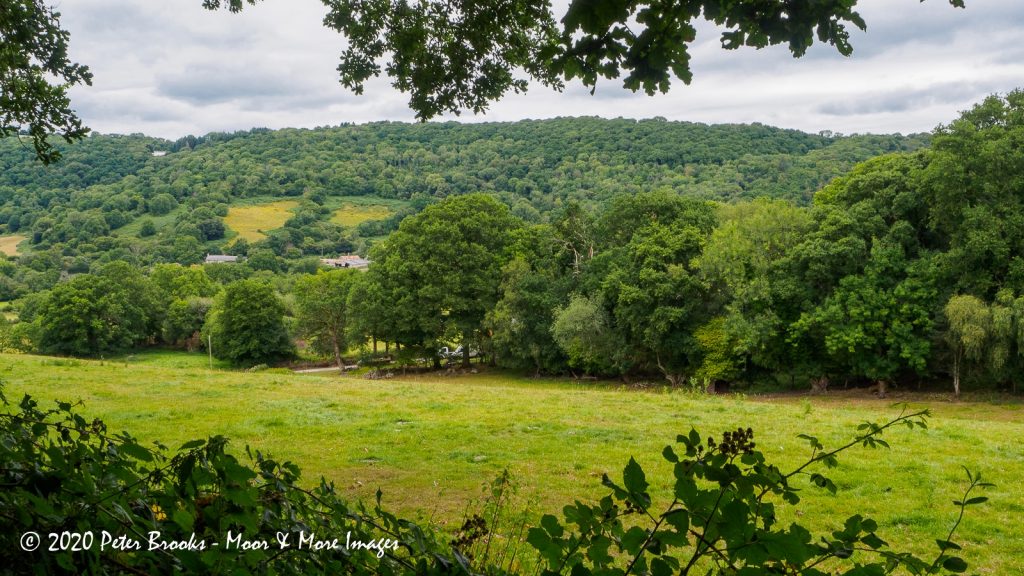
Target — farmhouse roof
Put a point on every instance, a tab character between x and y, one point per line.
347	261
220	258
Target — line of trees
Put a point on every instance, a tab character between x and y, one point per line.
120	307
909	268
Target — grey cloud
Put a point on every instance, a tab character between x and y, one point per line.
209	84
125	107
1011	55
150	30
606	90
936	22
891	24
168	67
907	99
895	24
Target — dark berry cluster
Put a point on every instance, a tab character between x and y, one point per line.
473	529
734	443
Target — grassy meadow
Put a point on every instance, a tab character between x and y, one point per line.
160	223
430	442
251	222
351	211
9	244
351	215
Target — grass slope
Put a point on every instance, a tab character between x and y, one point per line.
159	222
9	244
429	442
350	211
251	222
351	215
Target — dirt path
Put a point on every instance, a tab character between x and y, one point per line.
316	370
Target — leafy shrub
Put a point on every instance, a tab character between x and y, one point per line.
147	228
722	519
63	474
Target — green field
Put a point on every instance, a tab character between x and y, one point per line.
350	211
160	223
350	215
430	442
253	222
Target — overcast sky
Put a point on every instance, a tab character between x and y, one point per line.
169	68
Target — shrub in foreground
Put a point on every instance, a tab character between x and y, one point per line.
77	499
722	519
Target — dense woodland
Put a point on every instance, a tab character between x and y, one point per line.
111	199
613	248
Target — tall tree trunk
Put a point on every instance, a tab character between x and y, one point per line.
337	353
374	345
674	379
465	356
956	374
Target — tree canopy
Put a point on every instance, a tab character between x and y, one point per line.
35	74
442	268
246	324
462	55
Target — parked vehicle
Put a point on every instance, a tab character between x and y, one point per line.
455	355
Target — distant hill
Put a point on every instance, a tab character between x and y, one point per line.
141	198
542	160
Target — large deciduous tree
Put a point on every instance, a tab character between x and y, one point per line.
745	263
442	268
532	287
75	319
94	314
369	312
321	308
462	55
878	324
656	296
185	296
584	332
246	324
972	186
35	74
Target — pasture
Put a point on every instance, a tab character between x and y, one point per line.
162	223
350	211
351	215
253	221
429	442
9	244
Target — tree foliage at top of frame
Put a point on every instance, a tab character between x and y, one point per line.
449	56
36	72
